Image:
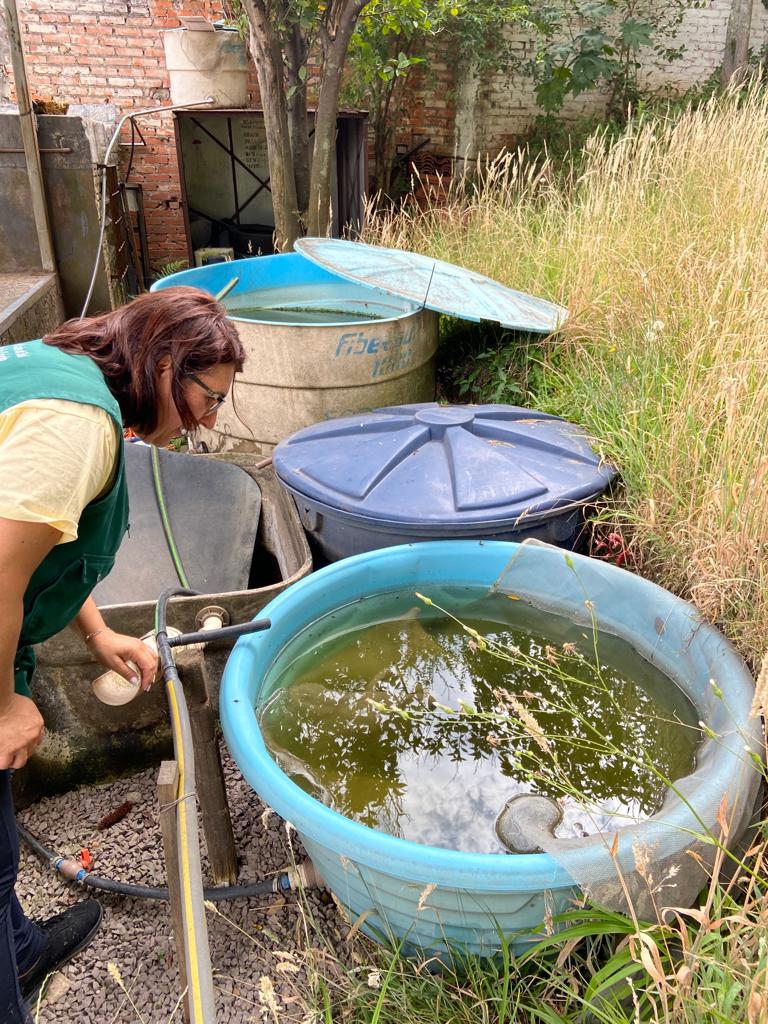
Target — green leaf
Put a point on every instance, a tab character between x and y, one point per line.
620	966
587	70
553	88
598	10
636	33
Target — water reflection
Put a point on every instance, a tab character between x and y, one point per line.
362	720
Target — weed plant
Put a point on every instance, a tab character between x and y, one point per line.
658	247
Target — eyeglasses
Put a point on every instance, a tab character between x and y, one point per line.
218	398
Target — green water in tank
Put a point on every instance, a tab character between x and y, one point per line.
397	716
301	315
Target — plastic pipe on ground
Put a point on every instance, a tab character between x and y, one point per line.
302	876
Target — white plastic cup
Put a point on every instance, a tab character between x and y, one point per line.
111	688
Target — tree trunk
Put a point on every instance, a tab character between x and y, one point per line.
267	54
382	146
382	129
334	52
298	123
388	112
736	52
385	136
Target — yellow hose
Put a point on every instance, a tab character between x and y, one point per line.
193	969
197	952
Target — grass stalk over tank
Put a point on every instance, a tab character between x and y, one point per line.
705	966
657	247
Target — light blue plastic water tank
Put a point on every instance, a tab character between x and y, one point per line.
475	895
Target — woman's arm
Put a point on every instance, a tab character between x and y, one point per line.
23	546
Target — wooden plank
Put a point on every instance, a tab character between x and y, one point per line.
209	777
167	794
29	137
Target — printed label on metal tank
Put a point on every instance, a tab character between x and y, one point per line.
392	354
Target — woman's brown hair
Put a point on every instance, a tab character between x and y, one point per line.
185	324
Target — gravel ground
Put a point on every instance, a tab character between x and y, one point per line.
251	940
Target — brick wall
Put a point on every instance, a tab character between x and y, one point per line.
703	33
6	78
431	108
102	51
99	51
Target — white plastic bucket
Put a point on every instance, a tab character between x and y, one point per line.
206	64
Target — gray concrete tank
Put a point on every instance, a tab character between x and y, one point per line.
237	565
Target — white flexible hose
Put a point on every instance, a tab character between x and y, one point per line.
112	141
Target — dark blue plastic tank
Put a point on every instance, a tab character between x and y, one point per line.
431	472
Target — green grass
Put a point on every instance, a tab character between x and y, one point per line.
600	967
658	247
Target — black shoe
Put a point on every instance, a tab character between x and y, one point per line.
65	934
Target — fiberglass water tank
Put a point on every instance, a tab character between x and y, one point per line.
339	328
316	347
427	899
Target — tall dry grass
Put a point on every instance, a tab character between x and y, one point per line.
659	247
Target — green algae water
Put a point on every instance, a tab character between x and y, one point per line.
396	716
301	315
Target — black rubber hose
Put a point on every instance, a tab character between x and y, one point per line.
205	636
269	886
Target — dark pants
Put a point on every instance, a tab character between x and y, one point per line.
21	942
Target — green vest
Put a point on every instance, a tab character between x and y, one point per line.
68	574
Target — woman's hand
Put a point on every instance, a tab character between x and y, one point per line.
114	650
23	546
21	729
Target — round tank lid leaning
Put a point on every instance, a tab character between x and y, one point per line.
435	465
435	284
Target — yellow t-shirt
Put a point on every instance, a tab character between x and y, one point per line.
55	458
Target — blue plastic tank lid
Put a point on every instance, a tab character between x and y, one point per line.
438	465
433	283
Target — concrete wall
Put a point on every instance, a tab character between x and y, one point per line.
70	146
30	306
18	236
